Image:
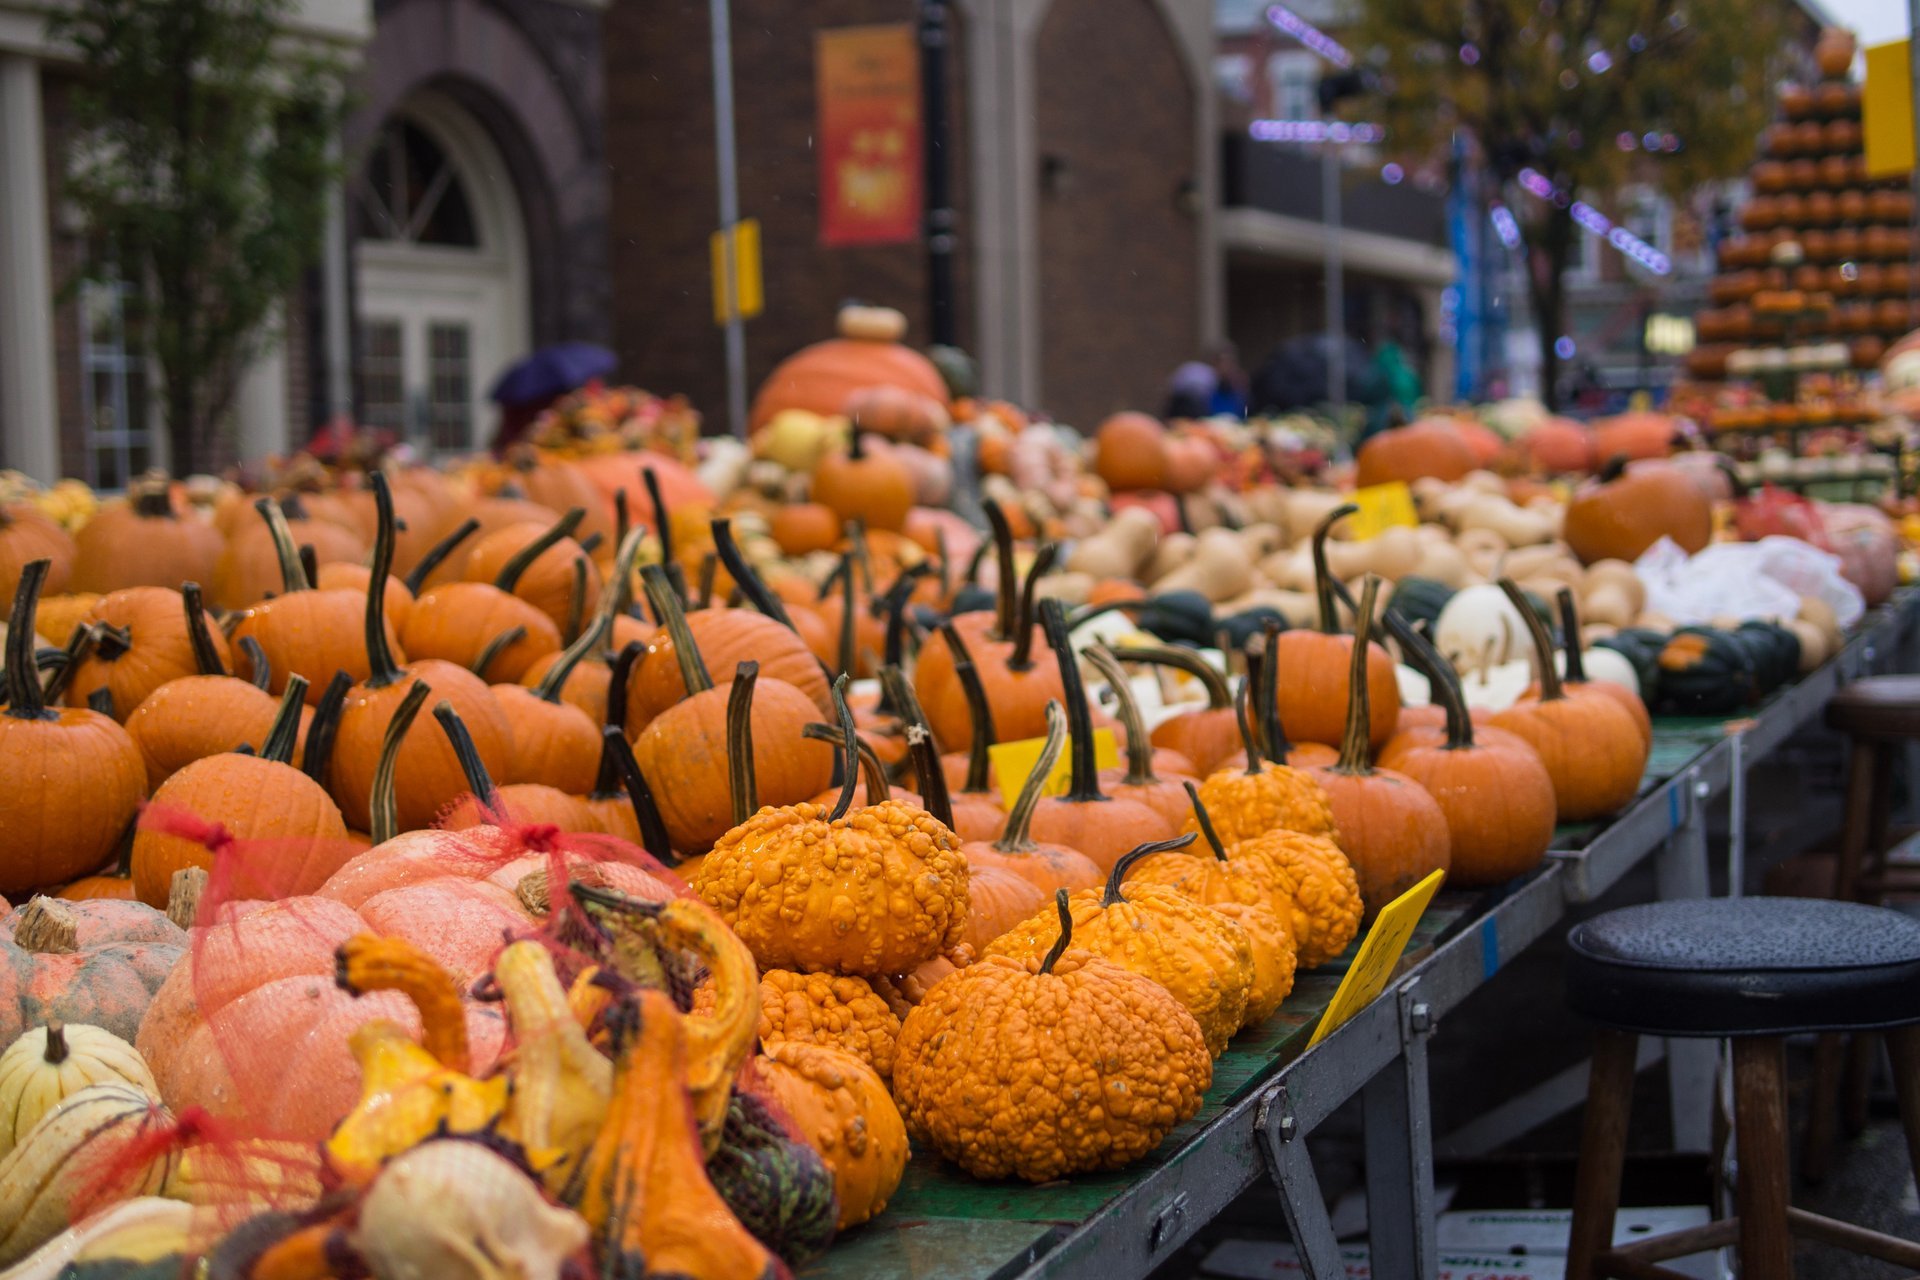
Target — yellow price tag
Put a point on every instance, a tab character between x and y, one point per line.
1382	506
743	271
1013	761
1373	966
1886	111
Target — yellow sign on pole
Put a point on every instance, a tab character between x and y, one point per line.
748	300
1886	110
1367	977
1013	761
1382	506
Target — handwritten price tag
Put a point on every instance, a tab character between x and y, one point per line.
1378	955
1013	761
1382	506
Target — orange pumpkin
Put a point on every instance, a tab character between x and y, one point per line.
1048	867
250	568
1637	434
147	540
866	485
821	377
540	564
1556	445
1206	736
26	536
1130	452
1429	447
1314	690
140	641
199	715
1623	511
896	413
304	631
802	528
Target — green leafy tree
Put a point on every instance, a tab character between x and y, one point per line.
1554	85
203	157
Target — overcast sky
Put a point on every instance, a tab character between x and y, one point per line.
1874	21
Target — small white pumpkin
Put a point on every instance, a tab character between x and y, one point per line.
62	1157
49	1062
1479	627
1602	664
1496	686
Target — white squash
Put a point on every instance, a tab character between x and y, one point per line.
48	1063
143	1229
1602	664
1497	686
62	1156
1479	627
457	1211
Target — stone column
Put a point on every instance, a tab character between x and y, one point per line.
29	410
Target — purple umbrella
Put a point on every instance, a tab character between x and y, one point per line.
552	371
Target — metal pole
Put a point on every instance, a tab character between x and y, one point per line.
1335	281
934	37
721	19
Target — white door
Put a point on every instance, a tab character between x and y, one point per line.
441	262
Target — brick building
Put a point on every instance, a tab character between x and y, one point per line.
471	226
1084	162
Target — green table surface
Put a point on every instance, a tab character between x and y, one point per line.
945	1223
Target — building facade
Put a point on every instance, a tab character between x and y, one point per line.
471	226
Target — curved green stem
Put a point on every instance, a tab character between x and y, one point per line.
894	603
847	655
653	828
437	554
662	525
1551	688
1139	745
979	711
381	668
929	779
318	756
666	606
479	781
1204	821
1356	755
751	584
382	806
24	698
1322	578
495	647
1273	734
1085	785
1576	672
849	750
576	600
1021	659
1243	718
285	731
1443	681
1111	897
206	659
1003	585
293	574
1016	836
742	787
258	664
1059	948
606	784
1219	697
513	570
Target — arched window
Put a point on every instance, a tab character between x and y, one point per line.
412	192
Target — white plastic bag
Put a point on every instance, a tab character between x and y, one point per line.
1763	579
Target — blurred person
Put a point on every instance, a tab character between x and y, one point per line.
1191	390
1231	383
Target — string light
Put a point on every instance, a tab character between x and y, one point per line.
1286	20
1314	131
1592	221
1505	226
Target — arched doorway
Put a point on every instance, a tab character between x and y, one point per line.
441	268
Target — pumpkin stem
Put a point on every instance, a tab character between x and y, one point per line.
1322	578
24	697
1219	698
849	750
928	777
152	499
622	518
894	603
495	647
709	569
259	665
1003	580
475	769
666	607
979	710
381	668
741	785
847	656
662	527
1442	679
101	700
47	926
751	584
206	659
653	828
1355	755
384	822
56	1051
1615	467
1551	690
1021	659
591	543
595	636
293	574
971	578
606	784
943	562
1139	745
1111	896
325	724
1204	821
576	600
1060	901
1016	836
1085	786
286	722
513	570
438	553
1243	721
310	560
1570	637
1273	734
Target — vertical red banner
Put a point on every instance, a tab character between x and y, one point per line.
867	90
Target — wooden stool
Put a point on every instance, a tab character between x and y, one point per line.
1880	714
1752	970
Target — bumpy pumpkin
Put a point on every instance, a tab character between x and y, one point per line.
96	963
997	1067
1275	960
841	1109
52	1061
830	1009
874	891
1263	797
70	779
1157	931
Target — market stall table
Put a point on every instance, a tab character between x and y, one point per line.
1270	1090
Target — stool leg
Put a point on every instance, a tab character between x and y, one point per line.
1903	1046
1879	822
1862	1048
1823	1107
1603	1151
1760	1126
1856	820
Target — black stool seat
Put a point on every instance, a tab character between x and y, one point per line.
1715	967
1877	707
